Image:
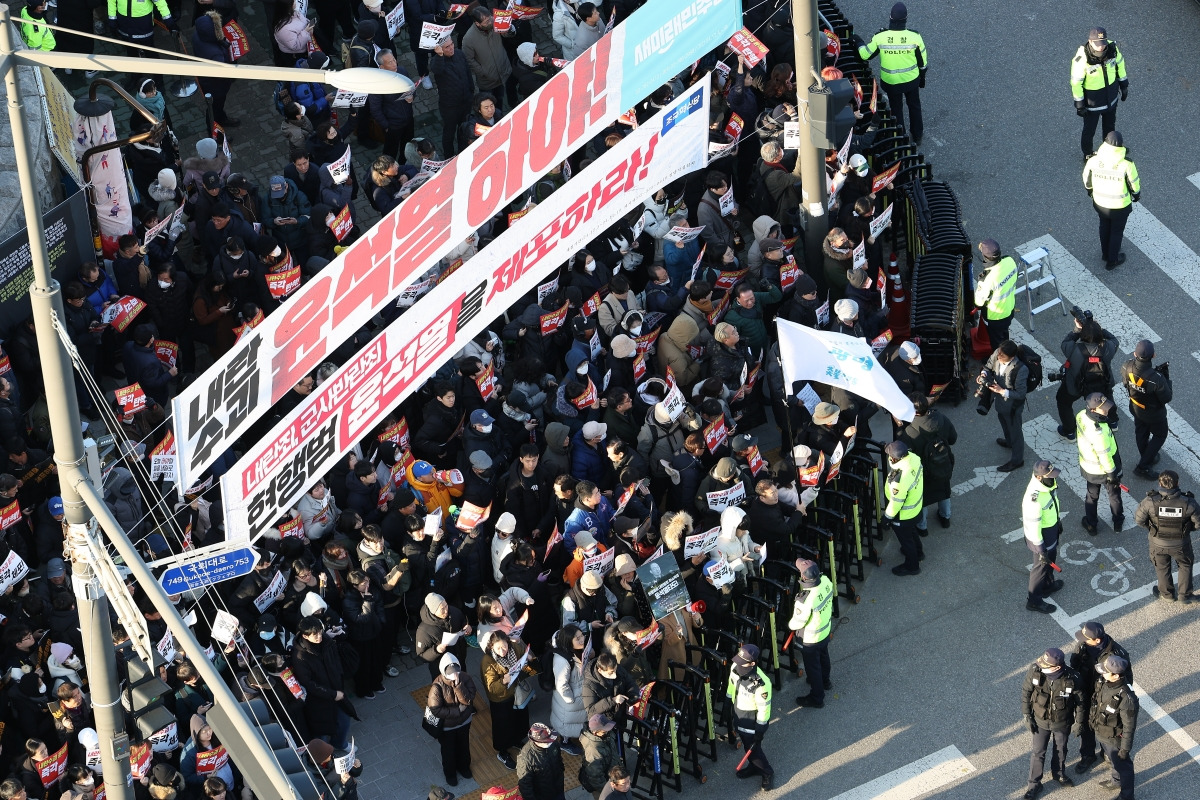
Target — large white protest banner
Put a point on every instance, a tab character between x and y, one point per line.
274	473
598	86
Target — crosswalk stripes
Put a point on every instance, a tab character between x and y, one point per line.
1195	179
1085	290
1168	252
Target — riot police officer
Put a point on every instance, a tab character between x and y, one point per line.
1050	705
811	620
1099	461
1149	389
905	490
1170	515
1097	73
1113	716
1041	519
750	691
1093	646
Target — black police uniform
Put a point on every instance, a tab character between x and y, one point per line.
1050	704
1113	717
1149	392
1084	661
1170	516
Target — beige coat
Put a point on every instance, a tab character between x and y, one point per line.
672	352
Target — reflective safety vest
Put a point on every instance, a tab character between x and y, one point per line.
905	488
997	289
1039	510
1097	446
36	35
751	698
813	612
1097	81
1111	178
902	55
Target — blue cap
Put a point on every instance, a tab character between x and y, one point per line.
55	505
422	469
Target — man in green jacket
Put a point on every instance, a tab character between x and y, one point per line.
36	35
746	314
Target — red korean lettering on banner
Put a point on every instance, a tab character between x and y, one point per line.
551	322
513	216
715	434
587	399
646	341
745	44
591	306
122	313
755	460
885	177
523	12
788	274
139	760
292	528
166	447
471	515
283	283
733	128
239	43
10	515
727	280
639	366
167	352
131	398
502	20
485	379
246	327
210	761
293	685
342	224
51	769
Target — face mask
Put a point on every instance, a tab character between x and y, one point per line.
164	284
41	688
452	678
238	257
581	369
72	662
1047	482
636	330
303	111
590	266
329	220
23	591
277	252
485	429
267	635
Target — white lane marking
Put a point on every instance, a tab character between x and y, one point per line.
984	476
1019	533
1085	290
1196	355
1168	252
1050	361
1195	179
914	780
1071	624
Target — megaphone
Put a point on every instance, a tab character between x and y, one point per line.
697	607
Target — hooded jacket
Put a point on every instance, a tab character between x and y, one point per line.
733	545
318	668
447	698
557	458
762	227
429	634
835	266
673	352
487	58
337	195
565	26
123	498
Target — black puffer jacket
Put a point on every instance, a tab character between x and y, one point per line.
540	772
318	668
429	635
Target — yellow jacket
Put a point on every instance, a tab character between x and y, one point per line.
434	494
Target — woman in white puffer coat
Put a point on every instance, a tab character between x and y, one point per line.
567	713
735	545
565	25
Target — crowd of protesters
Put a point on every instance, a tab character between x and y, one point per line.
614	413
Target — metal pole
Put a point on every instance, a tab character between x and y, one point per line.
810	166
256	747
69	455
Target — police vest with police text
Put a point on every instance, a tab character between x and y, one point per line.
1170	515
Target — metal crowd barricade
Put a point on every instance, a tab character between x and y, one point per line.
684	700
762	612
717	649
646	775
698	715
834	519
780	600
849	546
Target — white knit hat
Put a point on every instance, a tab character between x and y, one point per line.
166	179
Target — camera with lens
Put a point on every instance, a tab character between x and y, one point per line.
985	380
1080	315
1055	377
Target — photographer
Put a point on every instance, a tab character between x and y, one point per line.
1089	350
1003	381
1149	392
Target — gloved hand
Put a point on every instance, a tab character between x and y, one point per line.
921	81
1124	93
1112	480
857	41
1122	754
1044	558
1032	725
172	25
177	229
1080	108
112	26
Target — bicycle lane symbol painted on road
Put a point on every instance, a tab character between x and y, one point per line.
1113	564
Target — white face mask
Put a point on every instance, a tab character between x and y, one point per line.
590	266
41	688
238	257
303	111
72	662
486	429
277	252
329	218
636	330
581	369
164	284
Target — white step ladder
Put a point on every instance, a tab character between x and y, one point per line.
1037	273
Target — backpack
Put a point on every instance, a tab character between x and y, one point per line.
283	96
937	459
1033	362
1094	373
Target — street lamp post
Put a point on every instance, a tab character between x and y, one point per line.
810	165
80	498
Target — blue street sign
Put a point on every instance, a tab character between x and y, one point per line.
201	572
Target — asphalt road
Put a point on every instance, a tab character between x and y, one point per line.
934	662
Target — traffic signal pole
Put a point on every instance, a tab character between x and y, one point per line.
69	456
810	166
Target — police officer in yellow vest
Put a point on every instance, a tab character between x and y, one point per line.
36	35
1099	460
750	691
811	620
1040	519
133	20
905	488
903	62
1112	182
1097	73
996	290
